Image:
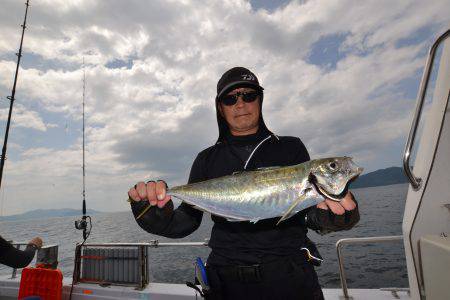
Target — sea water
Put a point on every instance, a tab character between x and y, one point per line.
366	265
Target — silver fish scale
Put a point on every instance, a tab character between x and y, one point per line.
250	195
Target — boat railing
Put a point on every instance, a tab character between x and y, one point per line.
150	244
47	253
143	279
363	240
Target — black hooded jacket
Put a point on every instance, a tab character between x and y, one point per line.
244	242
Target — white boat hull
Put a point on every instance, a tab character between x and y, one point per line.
9	289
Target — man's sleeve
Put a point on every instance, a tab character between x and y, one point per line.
324	221
321	220
13	257
168	222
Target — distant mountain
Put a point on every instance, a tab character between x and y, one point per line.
392	175
47	213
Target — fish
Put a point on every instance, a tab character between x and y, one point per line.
270	192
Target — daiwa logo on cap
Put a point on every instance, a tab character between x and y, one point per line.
248	77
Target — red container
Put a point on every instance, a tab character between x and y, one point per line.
45	283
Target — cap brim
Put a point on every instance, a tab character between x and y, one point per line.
235	84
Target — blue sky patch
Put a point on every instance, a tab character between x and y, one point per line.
60	137
269	5
419	36
410	86
325	52
35	61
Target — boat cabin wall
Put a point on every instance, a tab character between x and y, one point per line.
427	209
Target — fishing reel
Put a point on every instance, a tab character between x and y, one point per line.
83	225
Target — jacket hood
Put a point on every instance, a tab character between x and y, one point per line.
231	79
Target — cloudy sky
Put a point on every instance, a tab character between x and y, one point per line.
341	75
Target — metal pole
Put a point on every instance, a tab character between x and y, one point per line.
151	244
341	271
84	170
13	93
416	181
341	242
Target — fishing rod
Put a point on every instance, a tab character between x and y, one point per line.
82	224
13	94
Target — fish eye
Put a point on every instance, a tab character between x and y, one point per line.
332	166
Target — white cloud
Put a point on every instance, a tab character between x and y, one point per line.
149	119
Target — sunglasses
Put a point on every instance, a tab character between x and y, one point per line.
248	97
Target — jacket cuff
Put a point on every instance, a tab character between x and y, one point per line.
155	219
325	221
31	247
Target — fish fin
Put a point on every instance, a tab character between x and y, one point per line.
233	220
267	168
290	211
258	169
191	203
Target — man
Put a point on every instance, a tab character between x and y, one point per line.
247	261
14	258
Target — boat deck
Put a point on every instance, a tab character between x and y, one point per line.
163	291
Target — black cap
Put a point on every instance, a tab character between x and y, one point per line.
236	77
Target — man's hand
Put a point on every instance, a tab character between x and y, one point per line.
331	216
37	241
338	208
153	192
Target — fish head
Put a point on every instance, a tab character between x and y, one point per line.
332	176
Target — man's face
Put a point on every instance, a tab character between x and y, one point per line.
242	117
